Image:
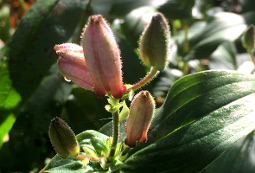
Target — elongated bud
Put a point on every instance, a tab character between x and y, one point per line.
102	57
154	42
249	38
63	138
72	64
139	120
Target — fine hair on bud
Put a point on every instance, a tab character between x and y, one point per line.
154	42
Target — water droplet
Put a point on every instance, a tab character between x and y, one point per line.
68	80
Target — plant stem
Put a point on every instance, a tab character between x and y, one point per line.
186	41
126	150
145	80
115	135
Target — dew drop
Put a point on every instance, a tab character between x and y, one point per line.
68	80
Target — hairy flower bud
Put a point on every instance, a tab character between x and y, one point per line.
102	57
63	138
154	42
140	117
72	64
249	38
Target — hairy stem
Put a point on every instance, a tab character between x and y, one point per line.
145	80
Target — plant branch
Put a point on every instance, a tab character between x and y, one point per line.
115	135
145	80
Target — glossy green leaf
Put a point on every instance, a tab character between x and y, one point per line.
204	114
220	28
239	158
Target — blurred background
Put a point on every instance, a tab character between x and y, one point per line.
205	35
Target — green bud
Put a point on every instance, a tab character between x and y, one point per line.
63	138
154	42
249	38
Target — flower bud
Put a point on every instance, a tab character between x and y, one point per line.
139	120
63	138
72	64
154	42
102	57
249	38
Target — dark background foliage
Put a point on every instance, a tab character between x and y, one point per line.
205	35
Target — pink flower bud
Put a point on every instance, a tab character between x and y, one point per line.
139	120
102	57
72	64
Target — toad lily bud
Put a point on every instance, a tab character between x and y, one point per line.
63	138
102	57
140	117
72	64
249	38
154	42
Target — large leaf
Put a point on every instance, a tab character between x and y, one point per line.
204	114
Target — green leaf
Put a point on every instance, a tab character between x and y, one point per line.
239	158
224	57
204	114
221	27
9	99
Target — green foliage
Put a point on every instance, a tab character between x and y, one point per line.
196	128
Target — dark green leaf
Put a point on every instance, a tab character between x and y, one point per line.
239	158
204	114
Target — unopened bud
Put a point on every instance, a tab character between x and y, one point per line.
140	117
154	42
63	138
102	57
72	64
249	38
